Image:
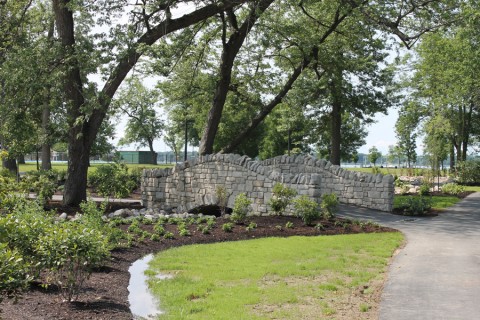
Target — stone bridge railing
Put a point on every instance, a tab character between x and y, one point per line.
193	183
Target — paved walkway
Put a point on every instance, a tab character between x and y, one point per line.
437	274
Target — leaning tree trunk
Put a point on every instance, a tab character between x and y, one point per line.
152	152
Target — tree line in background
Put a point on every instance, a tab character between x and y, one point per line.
261	77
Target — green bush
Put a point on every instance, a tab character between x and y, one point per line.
424	189
113	179
44	183
227	227
281	198
416	205
453	189
306	209
14	275
329	205
468	172
70	253
241	208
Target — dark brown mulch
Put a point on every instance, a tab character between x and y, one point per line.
105	295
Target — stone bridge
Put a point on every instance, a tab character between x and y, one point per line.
193	183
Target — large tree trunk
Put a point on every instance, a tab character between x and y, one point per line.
10	165
78	137
46	152
230	51
21	159
336	118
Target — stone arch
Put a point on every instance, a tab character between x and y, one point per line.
193	183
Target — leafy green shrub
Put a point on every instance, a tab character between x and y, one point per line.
204	229
227	227
44	183
306	209
14	273
424	189
289	225
281	198
251	226
416	205
113	180
159	229
155	237
70	253
168	235
453	189
468	172
329	205
241	208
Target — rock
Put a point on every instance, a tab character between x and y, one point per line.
63	216
121	213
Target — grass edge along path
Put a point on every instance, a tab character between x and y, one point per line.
275	278
438	202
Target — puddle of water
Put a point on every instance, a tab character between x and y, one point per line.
143	304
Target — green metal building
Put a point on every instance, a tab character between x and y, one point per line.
136	157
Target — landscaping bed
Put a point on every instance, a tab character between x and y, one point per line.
105	294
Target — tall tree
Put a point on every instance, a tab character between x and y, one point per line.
150	21
144	125
406	131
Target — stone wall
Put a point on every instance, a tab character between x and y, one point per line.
193	183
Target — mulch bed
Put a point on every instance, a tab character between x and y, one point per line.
105	294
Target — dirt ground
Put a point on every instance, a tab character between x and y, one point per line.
105	294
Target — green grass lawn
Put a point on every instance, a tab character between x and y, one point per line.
271	278
472	188
438	202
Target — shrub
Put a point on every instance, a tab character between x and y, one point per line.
70	253
222	198
306	209
241	208
13	273
113	180
227	227
424	189
468	172
416	205
289	225
43	183
453	189
281	198
329	205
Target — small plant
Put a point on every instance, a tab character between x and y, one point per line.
159	229
289	225
147	221
319	227
173	220
155	237
416	205
251	226
241	208
453	189
204	229
14	273
211	223
227	227
184	232
329	205
306	209
281	198
168	235
424	189
279	227
364	307
222	198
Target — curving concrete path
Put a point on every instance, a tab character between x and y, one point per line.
437	274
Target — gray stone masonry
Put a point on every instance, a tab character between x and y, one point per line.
193	183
